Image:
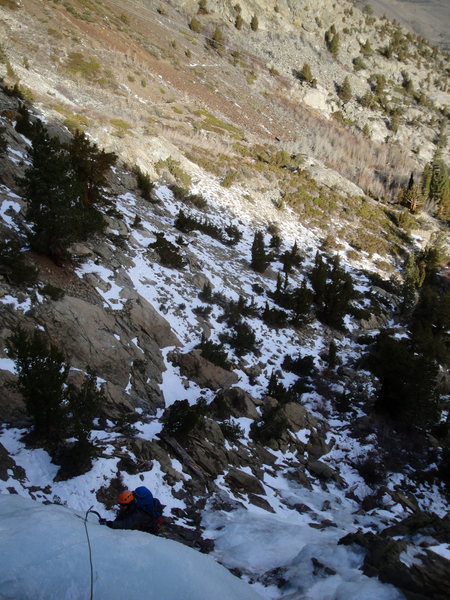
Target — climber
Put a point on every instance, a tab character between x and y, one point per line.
138	510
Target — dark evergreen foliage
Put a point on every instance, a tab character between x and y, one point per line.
242	338
13	265
180	418
56	206
333	291
259	262
90	165
408	390
187	223
430	325
41	377
3	142
274	317
215	353
291	259
144	184
271	426
168	253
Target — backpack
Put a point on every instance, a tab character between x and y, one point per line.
145	501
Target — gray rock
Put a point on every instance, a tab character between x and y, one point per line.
205	373
241	482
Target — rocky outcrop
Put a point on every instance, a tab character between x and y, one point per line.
242	482
403	556
203	372
235	402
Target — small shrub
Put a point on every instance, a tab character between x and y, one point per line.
144	183
13	265
358	64
168	252
372	470
194	25
89	69
229	179
55	293
215	353
202	311
242	339
121	127
231	431
181	418
271	426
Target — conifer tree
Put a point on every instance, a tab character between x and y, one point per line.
53	193
345	91
41	377
194	25
306	73
426	180
408	389
333	44
56	197
216	41
254	24
91	166
301	304
3	144
411	196
260	260
410	282
83	405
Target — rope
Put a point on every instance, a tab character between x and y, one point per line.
90	550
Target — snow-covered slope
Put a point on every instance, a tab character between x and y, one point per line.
47	557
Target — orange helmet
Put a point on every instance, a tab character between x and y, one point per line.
126	497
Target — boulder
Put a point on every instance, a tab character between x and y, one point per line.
234	402
207	448
297	417
425	576
241	482
203	372
324	472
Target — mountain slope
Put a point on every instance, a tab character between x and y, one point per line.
251	417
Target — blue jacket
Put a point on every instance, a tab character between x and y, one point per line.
133	517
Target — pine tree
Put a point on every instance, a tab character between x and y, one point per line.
260	260
56	197
439	184
216	41
411	196
410	282
366	48
238	22
345	91
306	73
426	180
194	25
301	304
332	40
91	166
254	24
41	378
3	143
53	193
333	291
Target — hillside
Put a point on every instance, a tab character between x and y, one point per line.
228	281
